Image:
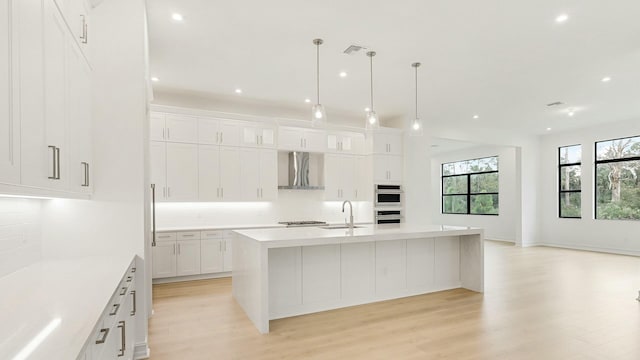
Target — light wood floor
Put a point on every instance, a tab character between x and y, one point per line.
540	303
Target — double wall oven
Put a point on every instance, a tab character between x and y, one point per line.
388	204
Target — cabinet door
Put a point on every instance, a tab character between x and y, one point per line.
188	261
228	251
268	137
208	173
182	172
211	260
395	143
290	139
391	269
157	127
55	41
158	165
229	133
229	174
80	122
268	175
208	131
249	135
380	169
314	141
380	143
395	169
332	142
347	164
9	125
163	261
363	179
181	128
250	174
332	177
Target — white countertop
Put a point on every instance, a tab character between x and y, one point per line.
227	227
319	236
66	297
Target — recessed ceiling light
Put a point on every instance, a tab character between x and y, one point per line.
238	91
548	129
571	113
476	116
155	79
307	100
343	74
177	17
367	109
606	79
562	18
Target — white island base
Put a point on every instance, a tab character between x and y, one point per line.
280	273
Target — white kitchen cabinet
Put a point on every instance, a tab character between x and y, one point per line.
164	259
218	173
218	132
387	169
182	172
157	126
158	166
420	264
181	128
258	174
301	139
345	142
77	16
79	121
363	179
255	135
188	258
211	256
358	270
9	100
340	177
228	254
391	270
387	142
320	274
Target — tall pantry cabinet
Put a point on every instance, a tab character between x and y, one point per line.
49	99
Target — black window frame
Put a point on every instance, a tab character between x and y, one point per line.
560	191
607	161
468	194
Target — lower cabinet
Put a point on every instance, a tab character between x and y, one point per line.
215	256
188	258
114	334
164	260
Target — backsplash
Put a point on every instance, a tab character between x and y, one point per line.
20	233
291	205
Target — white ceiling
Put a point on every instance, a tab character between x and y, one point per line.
503	60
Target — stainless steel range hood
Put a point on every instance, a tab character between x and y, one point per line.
299	167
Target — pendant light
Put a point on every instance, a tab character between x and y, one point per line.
372	118
318	115
416	123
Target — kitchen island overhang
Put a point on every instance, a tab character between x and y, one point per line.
279	273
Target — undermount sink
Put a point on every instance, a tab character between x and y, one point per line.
332	227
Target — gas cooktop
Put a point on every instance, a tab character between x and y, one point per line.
303	223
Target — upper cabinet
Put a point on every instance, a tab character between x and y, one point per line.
213	131
9	125
174	128
76	14
387	142
301	139
258	135
345	142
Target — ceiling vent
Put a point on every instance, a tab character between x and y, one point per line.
353	49
557	103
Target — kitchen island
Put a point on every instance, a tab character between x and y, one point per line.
280	273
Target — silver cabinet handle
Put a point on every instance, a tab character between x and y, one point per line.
261	194
133	312
124	291
174	249
221	137
188	235
305	143
164	192
257	140
222	192
163	136
168	133
116	307
153	215
88	175
356	193
301	143
105	333
129	278
178	249
258	192
58	163
220	246
168	191
53	153
85	166
217	192
217	137
225	245
123	336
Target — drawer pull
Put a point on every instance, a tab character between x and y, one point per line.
124	291
188	235
105	333
129	278
133	293
116	307
133	270
123	337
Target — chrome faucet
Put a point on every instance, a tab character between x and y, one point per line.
350	212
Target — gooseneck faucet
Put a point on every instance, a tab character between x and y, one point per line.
350	212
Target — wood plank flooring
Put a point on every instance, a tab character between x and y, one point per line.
539	303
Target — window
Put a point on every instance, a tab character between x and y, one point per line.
617	183
470	187
569	177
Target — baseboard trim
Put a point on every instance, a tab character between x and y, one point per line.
141	351
191	277
590	248
501	240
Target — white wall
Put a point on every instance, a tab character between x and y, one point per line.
501	227
20	233
586	233
291	205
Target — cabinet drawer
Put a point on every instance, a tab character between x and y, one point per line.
212	234
189	235
166	236
227	234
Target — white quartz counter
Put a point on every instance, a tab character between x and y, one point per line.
318	236
52	307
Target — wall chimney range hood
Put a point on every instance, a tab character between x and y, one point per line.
299	166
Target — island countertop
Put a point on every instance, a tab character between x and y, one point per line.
273	238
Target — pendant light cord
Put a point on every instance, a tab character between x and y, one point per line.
416	92
371	67
318	73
